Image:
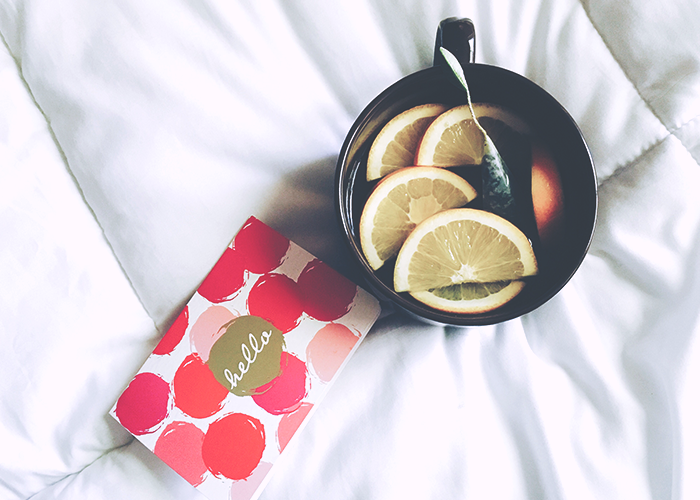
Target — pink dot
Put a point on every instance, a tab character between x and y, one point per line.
327	294
261	247
290	423
180	446
208	328
246	488
285	392
329	348
225	279
144	404
174	334
276	298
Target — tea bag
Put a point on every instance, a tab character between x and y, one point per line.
497	192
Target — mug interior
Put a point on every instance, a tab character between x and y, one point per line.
550	121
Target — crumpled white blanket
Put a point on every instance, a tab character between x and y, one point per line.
135	139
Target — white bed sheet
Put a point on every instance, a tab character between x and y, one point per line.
135	139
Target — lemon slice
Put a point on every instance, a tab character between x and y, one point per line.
453	138
460	246
403	199
395	145
471	298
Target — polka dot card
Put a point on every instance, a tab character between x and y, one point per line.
243	366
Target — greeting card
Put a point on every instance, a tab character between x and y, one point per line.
243	366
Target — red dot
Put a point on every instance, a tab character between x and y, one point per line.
174	334
275	297
233	446
180	446
197	392
225	279
261	247
144	404
285	392
327	294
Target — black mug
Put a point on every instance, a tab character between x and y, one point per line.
487	84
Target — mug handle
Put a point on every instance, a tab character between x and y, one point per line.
459	37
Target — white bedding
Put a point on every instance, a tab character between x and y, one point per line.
137	137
